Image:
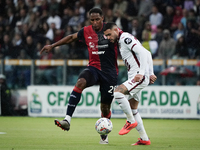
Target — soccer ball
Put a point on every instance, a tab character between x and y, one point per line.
103	126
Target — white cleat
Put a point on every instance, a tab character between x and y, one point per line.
104	140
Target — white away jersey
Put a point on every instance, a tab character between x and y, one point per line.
137	59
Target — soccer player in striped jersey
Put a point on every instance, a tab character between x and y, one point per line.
139	64
102	68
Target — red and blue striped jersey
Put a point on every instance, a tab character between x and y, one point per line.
102	53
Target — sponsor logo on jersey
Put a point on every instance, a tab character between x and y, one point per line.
102	46
127	40
98	52
89	37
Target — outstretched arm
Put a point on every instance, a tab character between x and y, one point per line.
68	39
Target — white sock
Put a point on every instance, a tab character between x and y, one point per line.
68	118
140	126
124	105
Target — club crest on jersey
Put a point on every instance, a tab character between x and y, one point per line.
127	40
92	45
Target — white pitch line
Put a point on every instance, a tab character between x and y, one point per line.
2	132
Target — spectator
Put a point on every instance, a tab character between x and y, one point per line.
144	11
156	17
18	28
58	34
188	4
76	19
67	15
6	47
23	16
191	17
181	49
5	96
120	21
9	6
54	18
168	18
43	18
147	29
32	8
109	16
62	6
176	19
132	9
51	32
43	29
150	45
180	31
107	4
68	30
44	5
120	5
81	5
30	47
9	30
20	4
26	32
18	45
159	34
33	21
135	29
184	18
54	6
167	46
192	39
11	17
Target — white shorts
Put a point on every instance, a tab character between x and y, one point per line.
134	88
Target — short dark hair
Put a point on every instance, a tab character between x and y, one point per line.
109	25
96	10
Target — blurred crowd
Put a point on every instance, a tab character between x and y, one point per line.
169	29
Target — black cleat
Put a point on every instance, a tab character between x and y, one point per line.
64	124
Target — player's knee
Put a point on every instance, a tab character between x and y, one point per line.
118	96
81	83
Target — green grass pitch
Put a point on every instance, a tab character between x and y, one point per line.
31	133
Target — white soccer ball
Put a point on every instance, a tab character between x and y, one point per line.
103	126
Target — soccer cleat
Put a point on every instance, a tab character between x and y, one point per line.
64	124
127	127
104	139
142	142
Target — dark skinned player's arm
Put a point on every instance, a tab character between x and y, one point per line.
66	40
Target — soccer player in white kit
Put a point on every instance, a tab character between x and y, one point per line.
139	64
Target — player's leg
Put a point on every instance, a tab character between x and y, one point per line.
86	79
107	85
119	96
143	140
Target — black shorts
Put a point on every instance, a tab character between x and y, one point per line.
107	82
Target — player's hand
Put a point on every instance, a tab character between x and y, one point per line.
138	77
152	79
46	48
